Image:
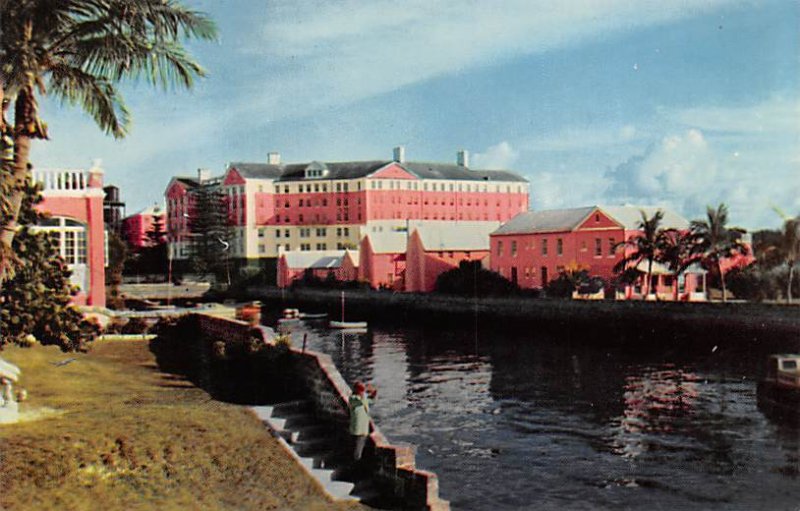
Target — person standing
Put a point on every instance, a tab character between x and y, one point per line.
359	416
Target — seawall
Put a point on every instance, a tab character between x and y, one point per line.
235	361
600	321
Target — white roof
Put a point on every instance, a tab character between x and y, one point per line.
630	216
154	210
457	235
435	235
317	259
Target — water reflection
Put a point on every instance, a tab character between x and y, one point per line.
537	421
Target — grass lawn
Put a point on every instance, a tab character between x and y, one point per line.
112	432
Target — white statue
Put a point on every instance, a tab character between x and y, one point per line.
9	408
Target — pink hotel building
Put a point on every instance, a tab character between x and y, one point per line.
332	206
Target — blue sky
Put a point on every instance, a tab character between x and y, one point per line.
674	103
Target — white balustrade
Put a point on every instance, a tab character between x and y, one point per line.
61	180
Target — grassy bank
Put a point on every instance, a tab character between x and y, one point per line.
112	432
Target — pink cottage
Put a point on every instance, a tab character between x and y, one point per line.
74	200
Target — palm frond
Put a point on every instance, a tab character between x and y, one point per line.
96	95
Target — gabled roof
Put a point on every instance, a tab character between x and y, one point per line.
154	210
257	170
566	220
358	169
316	259
551	220
188	181
457	172
388	241
456	235
630	216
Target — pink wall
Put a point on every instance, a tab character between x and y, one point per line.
424	267
380	270
88	210
135	228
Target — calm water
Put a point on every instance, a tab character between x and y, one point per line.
539	422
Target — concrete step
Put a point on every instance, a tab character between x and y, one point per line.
291	407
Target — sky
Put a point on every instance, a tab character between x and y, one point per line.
674	103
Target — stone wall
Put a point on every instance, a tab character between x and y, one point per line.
392	465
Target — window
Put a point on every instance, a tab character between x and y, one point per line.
347	231
277	233
262	249
338	187
299	218
612	246
286	233
597	217
583	246
559	246
322	246
69	237
286	190
544	247
598	247
514	248
261	233
499	248
338	231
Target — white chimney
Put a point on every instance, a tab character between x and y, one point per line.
462	158
274	158
400	154
203	175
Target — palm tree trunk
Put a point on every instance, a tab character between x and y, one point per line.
789	285
22	149
649	278
722	281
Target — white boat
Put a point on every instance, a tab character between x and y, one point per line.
347	325
309	316
779	390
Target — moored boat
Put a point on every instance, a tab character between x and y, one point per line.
779	391
349	325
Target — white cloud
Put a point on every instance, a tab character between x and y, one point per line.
318	53
498	156
580	138
778	115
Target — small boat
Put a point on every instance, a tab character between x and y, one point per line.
347	325
779	391
308	316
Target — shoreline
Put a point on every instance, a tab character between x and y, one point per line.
596	321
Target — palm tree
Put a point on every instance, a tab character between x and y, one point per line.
644	246
677	250
715	241
787	248
78	50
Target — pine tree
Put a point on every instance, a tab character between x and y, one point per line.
210	230
36	300
153	255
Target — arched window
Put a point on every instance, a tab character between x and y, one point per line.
69	236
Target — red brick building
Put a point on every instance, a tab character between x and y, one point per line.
341	265
135	227
533	247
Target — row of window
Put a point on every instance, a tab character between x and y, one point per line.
305	232
381	184
598	247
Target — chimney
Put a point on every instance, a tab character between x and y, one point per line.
400	154
203	175
462	158
274	158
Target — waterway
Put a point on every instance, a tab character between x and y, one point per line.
542	421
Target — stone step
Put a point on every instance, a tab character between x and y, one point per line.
291	407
